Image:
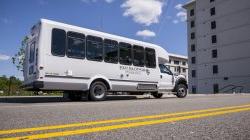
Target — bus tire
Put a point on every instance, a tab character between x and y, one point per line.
181	91
75	96
157	95
97	91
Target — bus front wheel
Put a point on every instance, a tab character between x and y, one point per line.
97	91
181	91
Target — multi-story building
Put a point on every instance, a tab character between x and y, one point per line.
218	45
178	64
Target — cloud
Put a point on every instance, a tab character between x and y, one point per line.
88	1
146	33
109	1
178	6
4	57
175	21
144	12
182	15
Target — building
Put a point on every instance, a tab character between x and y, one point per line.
178	64
218	45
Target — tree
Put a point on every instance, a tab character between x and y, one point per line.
19	57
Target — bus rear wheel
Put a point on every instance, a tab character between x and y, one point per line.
157	95
97	91
74	96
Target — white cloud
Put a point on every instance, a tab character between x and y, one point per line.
144	12
175	21
88	1
109	1
146	33
182	15
178	6
4	57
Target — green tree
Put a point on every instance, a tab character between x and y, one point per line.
19	57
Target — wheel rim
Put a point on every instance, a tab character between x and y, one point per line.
181	91
99	91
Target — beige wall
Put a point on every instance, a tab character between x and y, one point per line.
233	44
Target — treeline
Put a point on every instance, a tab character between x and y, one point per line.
11	86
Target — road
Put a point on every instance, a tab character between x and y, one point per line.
127	118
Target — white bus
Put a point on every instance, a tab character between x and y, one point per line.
81	61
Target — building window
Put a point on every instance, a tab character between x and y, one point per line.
58	44
214	39
216	88
192	35
192	24
76	45
212	11
176	62
170	61
212	0
94	48
110	51
214	53
138	56
213	25
184	70
194	89
215	69
183	63
192	12
193	60
192	47
179	69
193	73
150	59
125	53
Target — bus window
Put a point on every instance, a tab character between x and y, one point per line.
58	43
76	45
125	53
32	53
94	48
138	59
110	51
150	58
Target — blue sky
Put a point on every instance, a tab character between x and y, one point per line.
160	22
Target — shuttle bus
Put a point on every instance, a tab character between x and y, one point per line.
81	61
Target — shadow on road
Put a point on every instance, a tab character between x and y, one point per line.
50	99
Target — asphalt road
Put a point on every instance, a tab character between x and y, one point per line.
225	117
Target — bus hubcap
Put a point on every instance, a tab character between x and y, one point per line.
99	91
181	91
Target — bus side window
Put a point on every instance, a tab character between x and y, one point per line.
58	43
150	58
125	53
94	48
76	45
110	51
138	56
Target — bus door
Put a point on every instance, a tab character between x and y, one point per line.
166	81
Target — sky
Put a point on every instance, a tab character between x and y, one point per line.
162	22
